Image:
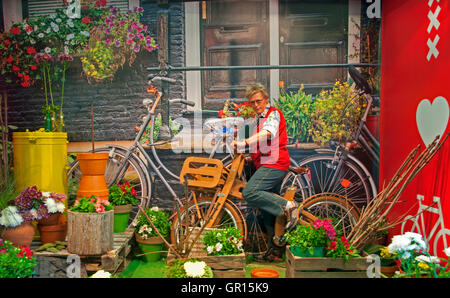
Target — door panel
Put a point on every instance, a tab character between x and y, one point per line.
233	33
313	32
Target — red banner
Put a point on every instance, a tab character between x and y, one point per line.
415	104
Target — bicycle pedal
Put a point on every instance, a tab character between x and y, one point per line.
279	240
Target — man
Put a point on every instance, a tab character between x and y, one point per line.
271	158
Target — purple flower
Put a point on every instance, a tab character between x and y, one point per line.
117	43
136	47
107	31
65	57
43	57
140	9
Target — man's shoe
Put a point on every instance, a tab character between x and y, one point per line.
291	217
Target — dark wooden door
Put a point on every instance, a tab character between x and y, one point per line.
233	33
313	32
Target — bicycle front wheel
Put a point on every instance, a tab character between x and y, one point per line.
326	178
133	173
343	213
229	216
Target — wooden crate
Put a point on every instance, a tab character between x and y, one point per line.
222	266
113	261
299	267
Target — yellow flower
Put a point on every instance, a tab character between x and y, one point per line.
423	265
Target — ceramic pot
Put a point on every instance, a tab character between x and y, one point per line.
264	273
121	217
20	235
150	246
52	220
52	233
92	181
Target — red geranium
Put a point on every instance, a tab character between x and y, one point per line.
15	30
29	29
86	20
100	3
7	42
31	50
10	59
15	68
33	67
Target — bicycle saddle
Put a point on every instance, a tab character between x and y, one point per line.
360	82
298	170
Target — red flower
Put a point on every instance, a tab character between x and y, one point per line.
29	29
7	42
133	192
10	59
220	114
20	75
100	3
33	67
15	30
31	50
26	77
25	84
333	245
15	68
86	20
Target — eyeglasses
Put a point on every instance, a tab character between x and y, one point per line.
258	101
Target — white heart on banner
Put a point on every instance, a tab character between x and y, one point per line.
432	118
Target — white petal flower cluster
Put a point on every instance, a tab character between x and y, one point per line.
428	259
52	205
404	245
194	269
10	217
101	274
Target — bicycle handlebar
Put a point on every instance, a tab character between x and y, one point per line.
163	79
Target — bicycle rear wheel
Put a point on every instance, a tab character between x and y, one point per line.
323	169
230	216
133	173
342	212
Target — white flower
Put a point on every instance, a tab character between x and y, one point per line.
32	41
194	269
101	274
58	20
447	251
134	222
428	259
219	246
239	245
70	23
46	194
55	28
60	207
10	218
85	33
41	35
210	249
218	234
47	50
70	36
156	209
48	30
142	229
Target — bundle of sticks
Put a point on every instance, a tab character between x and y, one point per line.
373	218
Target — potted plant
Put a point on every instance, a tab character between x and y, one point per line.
311	240
17	219
122	197
149	243
340	248
220	242
190	268
16	262
90	226
53	227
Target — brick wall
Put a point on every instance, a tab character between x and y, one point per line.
117	104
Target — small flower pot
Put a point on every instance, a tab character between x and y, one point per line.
52	233
121	217
21	235
92	166
318	252
152	246
52	220
264	273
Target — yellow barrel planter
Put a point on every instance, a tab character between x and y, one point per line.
40	158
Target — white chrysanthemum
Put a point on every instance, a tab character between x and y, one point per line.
101	274
60	207
51	205
210	249
194	269
10	218
399	244
428	259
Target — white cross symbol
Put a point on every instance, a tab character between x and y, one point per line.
432	46
433	19
430	2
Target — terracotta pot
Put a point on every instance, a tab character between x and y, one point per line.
389	271
92	181
264	273
53	219
52	233
20	235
